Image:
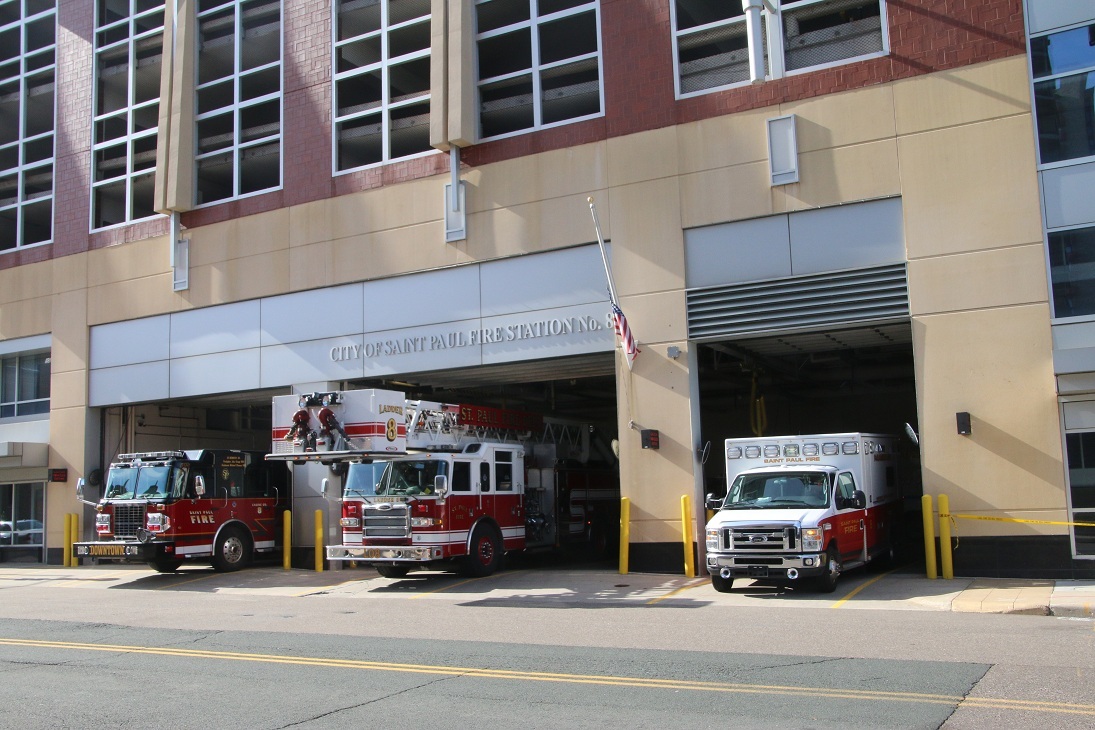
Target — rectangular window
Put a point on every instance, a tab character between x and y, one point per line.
24	385
28	57
711	42
381	81
128	59
22	516
1081	484
1072	271
238	104
1063	67
539	64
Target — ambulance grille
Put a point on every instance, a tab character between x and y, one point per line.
761	539
391	521
128	518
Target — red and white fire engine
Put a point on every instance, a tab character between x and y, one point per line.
165	508
435	485
803	509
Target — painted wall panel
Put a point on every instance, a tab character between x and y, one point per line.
570	331
1067	193
215	329
305	362
333	312
133	341
129	383
1050	14
223	372
737	252
412	349
447	295
847	237
568	277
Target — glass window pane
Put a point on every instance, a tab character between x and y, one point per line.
827	32
1072	272
692	13
496	14
1057	53
1066	124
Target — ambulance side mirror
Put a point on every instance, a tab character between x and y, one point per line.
713	502
860	499
440	485
199	485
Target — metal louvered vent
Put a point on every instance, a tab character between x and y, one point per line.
799	303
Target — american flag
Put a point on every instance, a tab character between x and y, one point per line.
619	323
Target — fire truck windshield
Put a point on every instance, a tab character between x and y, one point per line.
785	489
362	479
144	482
411	477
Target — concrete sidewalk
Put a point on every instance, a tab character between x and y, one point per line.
1023	596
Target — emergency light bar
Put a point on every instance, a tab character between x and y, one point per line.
152	456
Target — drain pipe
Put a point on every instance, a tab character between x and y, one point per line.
755	35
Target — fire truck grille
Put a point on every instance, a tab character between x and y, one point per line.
761	539
394	522
128	518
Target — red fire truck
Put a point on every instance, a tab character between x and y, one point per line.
471	484
166	508
803	509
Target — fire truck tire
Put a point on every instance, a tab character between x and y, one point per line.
232	551
486	552
163	565
827	583
393	571
722	585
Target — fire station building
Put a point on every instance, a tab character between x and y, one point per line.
817	216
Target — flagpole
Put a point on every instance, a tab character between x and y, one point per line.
604	253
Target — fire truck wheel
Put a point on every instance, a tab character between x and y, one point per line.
164	565
722	585
827	583
486	552
393	571
232	552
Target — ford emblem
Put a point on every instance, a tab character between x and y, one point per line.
756	538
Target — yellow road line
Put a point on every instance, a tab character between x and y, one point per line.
857	589
605	680
691	584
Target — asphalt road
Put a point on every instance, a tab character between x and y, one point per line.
561	647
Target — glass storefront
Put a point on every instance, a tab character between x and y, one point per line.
22	522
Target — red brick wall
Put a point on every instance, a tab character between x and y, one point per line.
925	36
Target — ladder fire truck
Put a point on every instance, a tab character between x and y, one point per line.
430	484
165	508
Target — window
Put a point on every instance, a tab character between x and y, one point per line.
128	58
381	81
845	490
712	48
1072	271
539	64
503	470
22	514
461	476
1063	67
24	385
28	56
238	105
1080	449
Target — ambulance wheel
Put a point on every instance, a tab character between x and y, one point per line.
393	571
164	565
486	552
232	551
722	585
827	583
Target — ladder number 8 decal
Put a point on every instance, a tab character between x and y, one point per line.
391	432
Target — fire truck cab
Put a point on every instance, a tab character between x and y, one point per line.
436	485
167	508
803	509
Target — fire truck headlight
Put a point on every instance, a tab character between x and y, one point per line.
811	538
158	522
350	522
713	539
102	523
422	522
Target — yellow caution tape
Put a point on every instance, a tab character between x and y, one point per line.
1016	519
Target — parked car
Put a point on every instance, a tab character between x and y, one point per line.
7	531
28	532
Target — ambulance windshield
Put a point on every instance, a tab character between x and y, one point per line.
411	477
786	489
362	479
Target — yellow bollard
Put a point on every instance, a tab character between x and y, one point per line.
946	558
287	540
66	559
929	535
319	541
625	532
686	530
75	537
